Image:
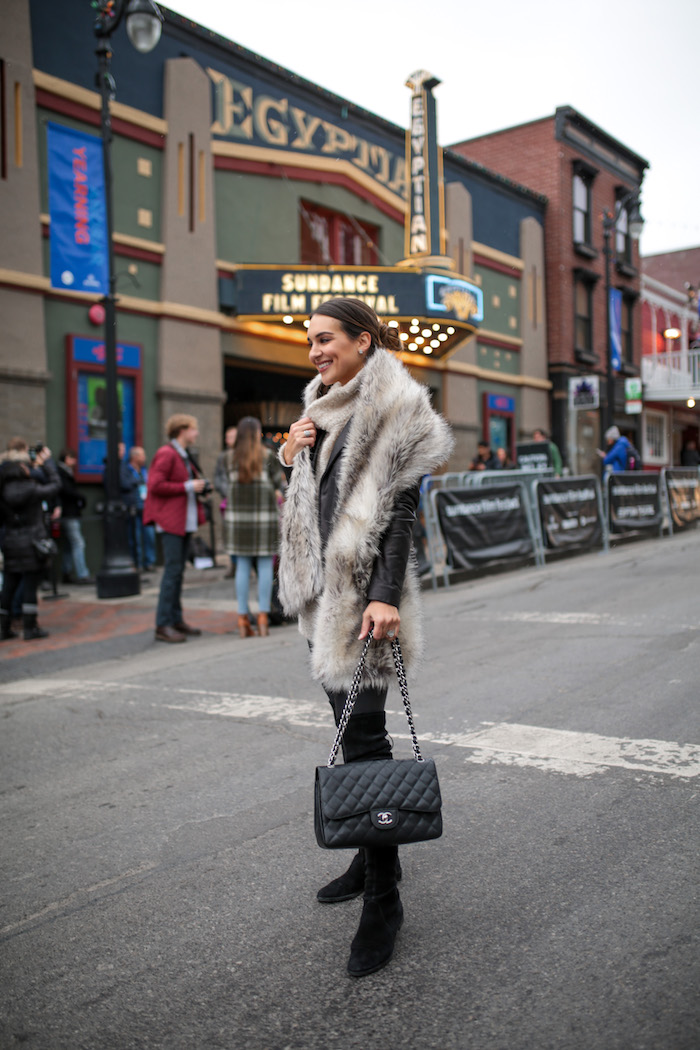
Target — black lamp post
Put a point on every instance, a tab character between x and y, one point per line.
635	225
117	577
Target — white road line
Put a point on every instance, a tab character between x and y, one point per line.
505	743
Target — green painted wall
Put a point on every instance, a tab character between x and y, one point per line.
258	221
501	301
498	360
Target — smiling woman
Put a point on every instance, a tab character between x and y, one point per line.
354	462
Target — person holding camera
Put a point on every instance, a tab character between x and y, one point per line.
28	477
172	505
71	504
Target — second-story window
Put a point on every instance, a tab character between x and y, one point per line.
582	208
330	237
623	247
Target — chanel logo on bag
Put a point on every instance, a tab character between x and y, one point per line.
384	818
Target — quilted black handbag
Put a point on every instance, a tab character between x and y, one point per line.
387	802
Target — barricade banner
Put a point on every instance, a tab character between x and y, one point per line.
533	456
634	502
569	512
78	231
683	488
483	525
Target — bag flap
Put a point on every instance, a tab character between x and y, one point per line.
358	787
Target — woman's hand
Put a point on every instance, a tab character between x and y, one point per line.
383	618
302	434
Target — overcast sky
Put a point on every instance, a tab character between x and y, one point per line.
630	67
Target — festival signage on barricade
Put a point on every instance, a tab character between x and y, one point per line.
570	512
483	525
683	490
533	456
634	501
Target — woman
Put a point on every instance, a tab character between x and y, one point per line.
251	520
354	462
23	489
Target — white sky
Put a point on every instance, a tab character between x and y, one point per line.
630	66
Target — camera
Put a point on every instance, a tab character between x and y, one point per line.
208	488
34	450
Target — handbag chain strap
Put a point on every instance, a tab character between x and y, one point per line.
355	688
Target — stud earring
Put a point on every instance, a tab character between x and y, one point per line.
360	352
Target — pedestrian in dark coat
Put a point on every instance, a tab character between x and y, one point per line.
355	462
22	497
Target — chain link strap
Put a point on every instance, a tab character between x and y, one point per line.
355	688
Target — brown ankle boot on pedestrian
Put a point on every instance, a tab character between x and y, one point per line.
263	625
245	628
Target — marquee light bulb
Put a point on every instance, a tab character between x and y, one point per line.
436	327
412	346
427	350
450	331
420	340
434	343
403	336
287	319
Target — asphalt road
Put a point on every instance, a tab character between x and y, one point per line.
159	866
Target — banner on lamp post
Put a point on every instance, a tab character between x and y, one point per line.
77	208
615	329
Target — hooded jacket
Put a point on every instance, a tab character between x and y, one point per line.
22	495
393	438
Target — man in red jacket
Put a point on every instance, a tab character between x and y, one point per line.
171	505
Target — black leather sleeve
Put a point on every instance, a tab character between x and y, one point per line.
389	570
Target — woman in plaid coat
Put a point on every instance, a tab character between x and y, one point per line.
251	521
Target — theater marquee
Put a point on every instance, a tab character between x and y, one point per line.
406	294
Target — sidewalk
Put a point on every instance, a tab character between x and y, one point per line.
80	618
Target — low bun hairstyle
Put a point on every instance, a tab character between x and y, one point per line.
355	317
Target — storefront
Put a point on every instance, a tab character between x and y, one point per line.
243	196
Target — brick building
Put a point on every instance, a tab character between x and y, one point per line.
584	173
670	356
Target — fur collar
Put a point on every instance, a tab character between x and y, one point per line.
394	438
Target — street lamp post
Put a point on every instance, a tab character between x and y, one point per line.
635	226
118	576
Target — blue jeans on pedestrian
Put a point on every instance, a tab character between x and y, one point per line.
169	612
264	567
74	559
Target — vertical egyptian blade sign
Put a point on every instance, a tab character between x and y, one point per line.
78	236
615	329
424	215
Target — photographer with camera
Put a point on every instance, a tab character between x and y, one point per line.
28	477
175	484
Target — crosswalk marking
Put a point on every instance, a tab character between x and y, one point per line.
561	751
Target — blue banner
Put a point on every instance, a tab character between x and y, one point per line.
78	234
615	329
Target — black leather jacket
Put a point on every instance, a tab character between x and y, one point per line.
390	564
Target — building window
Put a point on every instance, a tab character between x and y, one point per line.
583	333
331	237
582	208
655	443
623	249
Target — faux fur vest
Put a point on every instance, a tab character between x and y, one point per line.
394	438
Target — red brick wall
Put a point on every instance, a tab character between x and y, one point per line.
530	155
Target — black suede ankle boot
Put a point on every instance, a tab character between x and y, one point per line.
346	886
32	629
382	914
6	631
373	944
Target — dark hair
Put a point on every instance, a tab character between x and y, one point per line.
67	452
356	317
248	451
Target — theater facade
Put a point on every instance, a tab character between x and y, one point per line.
243	196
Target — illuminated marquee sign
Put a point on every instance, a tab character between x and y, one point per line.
249	113
272	293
